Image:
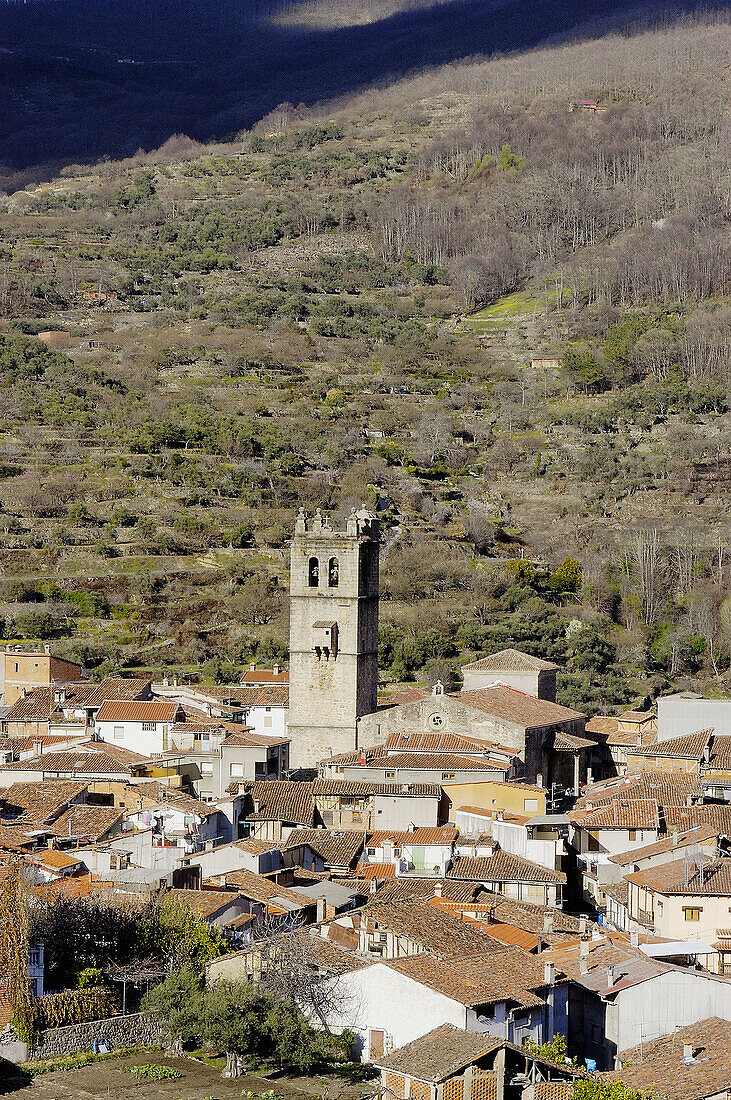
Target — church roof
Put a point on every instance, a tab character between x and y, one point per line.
510	660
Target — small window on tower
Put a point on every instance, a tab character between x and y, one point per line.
333	573
314	573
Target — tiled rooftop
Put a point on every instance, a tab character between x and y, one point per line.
621	813
503	867
281	800
137	710
515	707
707	878
505	974
668	788
440	934
665	844
39	802
510	660
337	848
691	746
363	788
440	1054
658	1068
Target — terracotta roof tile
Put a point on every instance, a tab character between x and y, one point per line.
265	890
691	746
510	660
40	703
368	871
659	1069
338	848
118	688
265	676
439	834
717	817
503	867
81	761
665	844
56	860
203	903
620	813
440	1054
137	710
505	974
363	787
281	800
39	802
668	788
514	706
419	741
709	879
439	762
88	823
440	934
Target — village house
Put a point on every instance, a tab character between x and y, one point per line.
219	909
354	804
691	1064
420	851
332	850
450	1064
420	767
620	998
270	905
261	857
176	820
272	809
687	899
23	668
618	735
265	677
142	725
394	930
506	993
263	708
513	876
599	832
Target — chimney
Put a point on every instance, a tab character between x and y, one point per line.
539	780
584	949
38	747
438	886
549	973
500	815
634	939
589	807
320	910
252	668
687	1058
582	925
46	648
276	670
208	846
583	966
675	838
610	977
374	885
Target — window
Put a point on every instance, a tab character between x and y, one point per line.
632	834
448	775
119	733
371	851
691	913
236	771
267	721
389	775
149	725
313	573
333	573
205	737
436	721
267	710
597	1034
530	805
207	767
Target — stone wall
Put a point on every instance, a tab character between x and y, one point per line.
116	1031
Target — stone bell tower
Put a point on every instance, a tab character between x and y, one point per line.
333	634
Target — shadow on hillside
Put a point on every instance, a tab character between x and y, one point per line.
80	79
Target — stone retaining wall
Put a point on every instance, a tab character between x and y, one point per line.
116	1031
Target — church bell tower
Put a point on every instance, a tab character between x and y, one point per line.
333	634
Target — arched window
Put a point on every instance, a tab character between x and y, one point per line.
333	573
313	573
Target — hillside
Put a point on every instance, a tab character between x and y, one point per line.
503	323
82	79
